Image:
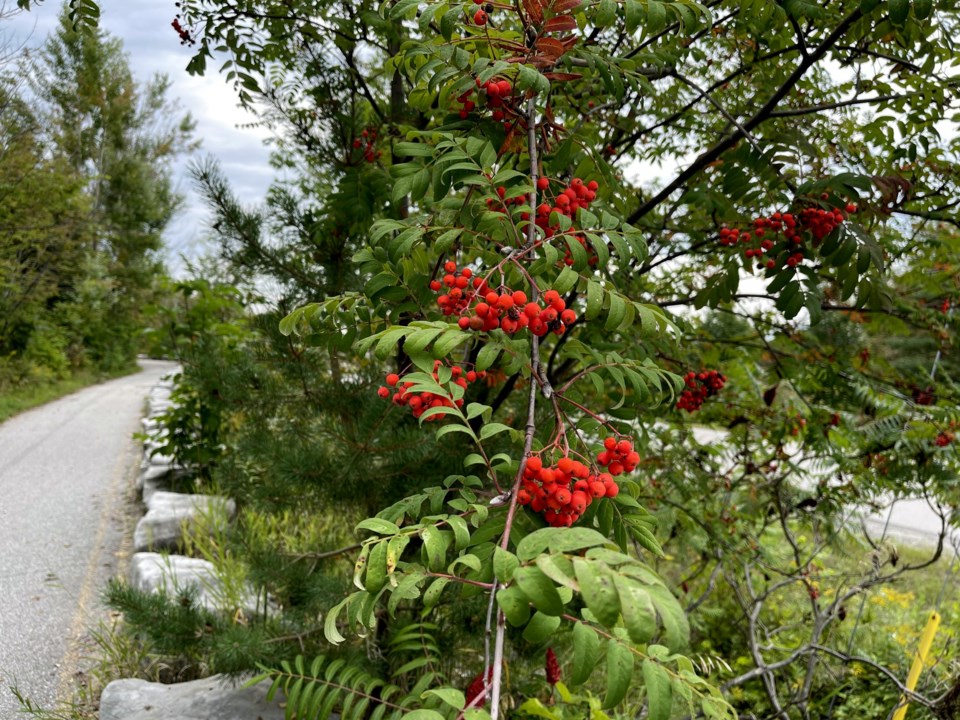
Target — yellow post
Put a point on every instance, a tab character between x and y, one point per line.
926	640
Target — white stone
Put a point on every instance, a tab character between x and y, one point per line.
155	408
215	698
167	513
157	461
169	574
156	478
161	392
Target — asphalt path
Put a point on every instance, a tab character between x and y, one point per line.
65	469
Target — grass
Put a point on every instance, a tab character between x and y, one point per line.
17	400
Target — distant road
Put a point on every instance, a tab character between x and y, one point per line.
909	520
64	469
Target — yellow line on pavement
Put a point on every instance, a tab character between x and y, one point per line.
123	474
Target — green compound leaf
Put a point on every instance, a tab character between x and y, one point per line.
539	589
586	653
619	673
598	590
659	692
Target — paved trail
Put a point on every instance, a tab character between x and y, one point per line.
64	469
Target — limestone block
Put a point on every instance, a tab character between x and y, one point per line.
214	698
169	574
167	513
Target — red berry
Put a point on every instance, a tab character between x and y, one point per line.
542	184
568	317
480	18
393	379
450	266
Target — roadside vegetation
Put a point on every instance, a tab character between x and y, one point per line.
28	396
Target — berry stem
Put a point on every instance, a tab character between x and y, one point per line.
466	581
497	679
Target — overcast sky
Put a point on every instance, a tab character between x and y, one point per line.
153	47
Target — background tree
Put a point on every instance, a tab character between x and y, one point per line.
122	137
44	232
86	181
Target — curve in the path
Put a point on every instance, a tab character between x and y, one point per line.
64	469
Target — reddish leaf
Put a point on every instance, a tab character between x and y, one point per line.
560	23
562	6
550	47
534	10
540	61
562	76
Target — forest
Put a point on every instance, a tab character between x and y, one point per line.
559	366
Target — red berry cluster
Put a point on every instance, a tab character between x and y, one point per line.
944	439
618	456
482	309
820	222
510	311
564	491
787	230
700	386
462	286
762	242
185	37
582	195
367	142
577	194
419	403
496	95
